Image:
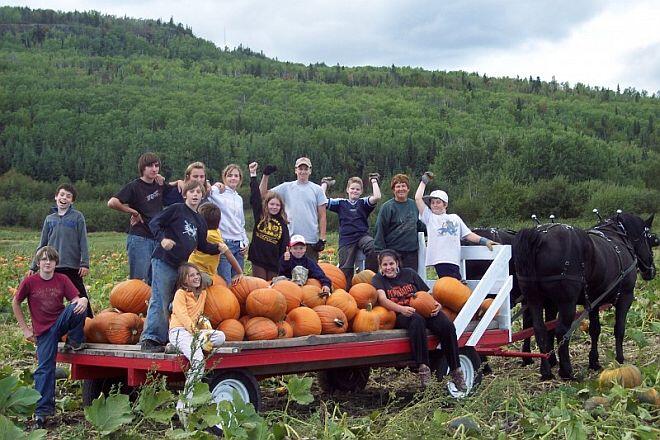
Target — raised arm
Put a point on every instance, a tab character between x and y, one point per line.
263	185
375	188
419	194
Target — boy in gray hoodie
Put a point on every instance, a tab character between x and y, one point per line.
65	230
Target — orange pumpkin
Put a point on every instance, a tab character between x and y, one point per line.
333	320
485	305
449	313
220	304
451	293
218	280
313	282
95	329
284	330
423	303
343	301
233	329
131	296
335	275
260	329
313	296
364	294
124	328
268	303
363	276
366	321
304	321
246	285
292	293
387	318
244	319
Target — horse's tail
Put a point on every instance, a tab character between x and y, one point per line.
525	247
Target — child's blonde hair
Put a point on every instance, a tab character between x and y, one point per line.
265	215
182	277
231	167
194	166
352	180
192	184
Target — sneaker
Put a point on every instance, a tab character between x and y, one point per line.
171	349
424	373
458	379
150	346
41	422
70	346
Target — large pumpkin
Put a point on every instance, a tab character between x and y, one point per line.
343	301
335	275
449	313
218	280
313	296
233	330
304	321
244	286
423	303
313	282
124	328
366	320
95	328
284	330
131	296
268	303
628	376
333	320
244	319
220	304
260	328
292	293
387	318
363	276
364	294
451	293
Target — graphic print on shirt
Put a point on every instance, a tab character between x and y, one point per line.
190	230
270	232
401	294
448	228
153	195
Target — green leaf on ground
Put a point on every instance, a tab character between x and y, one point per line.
300	389
109	414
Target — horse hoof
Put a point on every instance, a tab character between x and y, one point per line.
567	377
552	360
548	376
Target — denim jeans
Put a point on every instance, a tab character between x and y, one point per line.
157	324
139	250
70	324
224	268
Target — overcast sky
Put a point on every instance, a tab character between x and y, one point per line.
600	43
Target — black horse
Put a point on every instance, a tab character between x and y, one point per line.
567	266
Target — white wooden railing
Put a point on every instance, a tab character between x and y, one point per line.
496	281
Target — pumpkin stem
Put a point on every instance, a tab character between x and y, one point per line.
338	322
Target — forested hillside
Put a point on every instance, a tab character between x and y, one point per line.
83	95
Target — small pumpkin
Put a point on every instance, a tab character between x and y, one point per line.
366	320
387	318
304	321
313	282
284	330
333	320
594	402
335	275
268	303
131	296
260	329
220	304
485	305
244	319
233	330
364	294
650	396
343	301
364	276
244	286
124	328
628	376
313	296
292	293
451	293
423	303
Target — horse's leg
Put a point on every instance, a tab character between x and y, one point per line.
526	347
541	334
622	306
594	333
566	316
550	311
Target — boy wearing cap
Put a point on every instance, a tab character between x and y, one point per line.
445	231
305	206
295	256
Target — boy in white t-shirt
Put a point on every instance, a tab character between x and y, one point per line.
445	231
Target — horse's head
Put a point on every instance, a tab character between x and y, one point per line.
642	240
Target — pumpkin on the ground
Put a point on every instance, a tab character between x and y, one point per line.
313	296
267	302
131	296
220	304
387	318
333	320
343	301
364	276
364	294
260	328
650	396
304	321
366	321
628	376
335	275
284	330
451	293
233	330
292	293
124	328
423	303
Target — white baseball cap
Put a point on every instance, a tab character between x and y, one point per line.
439	194
297	239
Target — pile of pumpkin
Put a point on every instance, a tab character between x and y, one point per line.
255	310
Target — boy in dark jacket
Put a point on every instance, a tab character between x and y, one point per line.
295	256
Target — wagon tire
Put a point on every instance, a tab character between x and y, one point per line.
222	384
469	362
348	379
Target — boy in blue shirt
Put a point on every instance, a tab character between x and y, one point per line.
354	223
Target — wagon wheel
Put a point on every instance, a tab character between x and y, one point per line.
469	363
93	388
348	379
223	385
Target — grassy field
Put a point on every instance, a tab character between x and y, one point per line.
510	403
